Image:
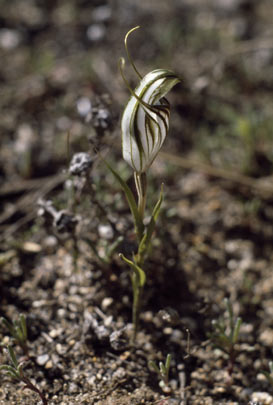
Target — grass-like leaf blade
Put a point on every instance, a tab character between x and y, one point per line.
136	269
155	213
131	201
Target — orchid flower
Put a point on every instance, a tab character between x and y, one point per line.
145	120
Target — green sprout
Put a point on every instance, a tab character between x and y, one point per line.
225	335
163	371
269	374
144	127
15	371
18	330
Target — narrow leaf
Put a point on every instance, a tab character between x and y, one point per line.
11	371
136	269
113	247
131	201
230	315
153	365
23	326
162	368
20	370
12	356
155	213
142	248
13	375
5	367
236	330
19	334
8	325
217	325
168	362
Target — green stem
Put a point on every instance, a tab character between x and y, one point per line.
140	256
137	294
138	278
141	186
30	386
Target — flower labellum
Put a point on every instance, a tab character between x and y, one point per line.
145	120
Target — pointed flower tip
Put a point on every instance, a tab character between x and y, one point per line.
145	120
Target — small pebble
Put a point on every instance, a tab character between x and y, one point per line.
61	349
49	365
31	247
96	32
84	106
106	302
50	243
72	388
167	331
9	39
41	360
102	13
105	232
263	398
108	321
55	332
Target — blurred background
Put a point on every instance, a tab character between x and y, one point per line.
61	93
59	63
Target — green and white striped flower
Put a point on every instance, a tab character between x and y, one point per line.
145	121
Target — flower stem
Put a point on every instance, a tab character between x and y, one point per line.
32	387
137	295
141	186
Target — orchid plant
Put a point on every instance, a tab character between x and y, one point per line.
269	374
163	371
144	127
16	372
18	330
225	335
